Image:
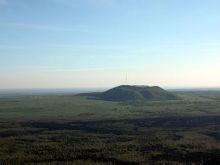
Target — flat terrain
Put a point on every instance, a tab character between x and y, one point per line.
68	129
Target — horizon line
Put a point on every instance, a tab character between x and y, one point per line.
103	87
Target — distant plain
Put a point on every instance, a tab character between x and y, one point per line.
64	128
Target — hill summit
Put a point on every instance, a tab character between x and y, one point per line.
133	93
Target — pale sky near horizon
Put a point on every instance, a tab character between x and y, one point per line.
96	43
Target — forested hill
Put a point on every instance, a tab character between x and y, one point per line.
128	93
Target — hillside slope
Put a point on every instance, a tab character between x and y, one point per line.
132	93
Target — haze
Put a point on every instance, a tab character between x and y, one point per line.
102	43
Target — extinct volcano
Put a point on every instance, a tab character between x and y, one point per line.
134	93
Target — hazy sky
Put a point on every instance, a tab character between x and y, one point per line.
95	43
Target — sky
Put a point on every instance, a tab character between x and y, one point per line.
104	43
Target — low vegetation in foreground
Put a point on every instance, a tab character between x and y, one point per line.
80	130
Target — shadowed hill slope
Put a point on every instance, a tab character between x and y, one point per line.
130	93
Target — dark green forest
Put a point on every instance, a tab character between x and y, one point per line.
68	129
